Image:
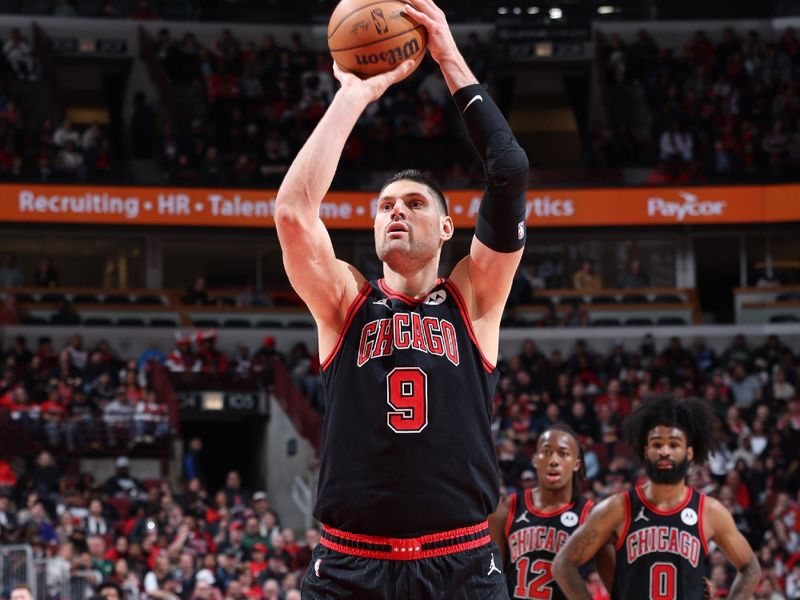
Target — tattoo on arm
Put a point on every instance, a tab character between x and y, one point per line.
569	578
746	580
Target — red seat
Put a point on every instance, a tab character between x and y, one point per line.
121	505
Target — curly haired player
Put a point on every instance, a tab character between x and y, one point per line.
661	529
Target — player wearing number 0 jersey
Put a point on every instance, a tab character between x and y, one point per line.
408	474
532	525
661	529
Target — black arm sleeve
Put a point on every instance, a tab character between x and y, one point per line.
501	218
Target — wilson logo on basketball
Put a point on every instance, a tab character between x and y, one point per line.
392	56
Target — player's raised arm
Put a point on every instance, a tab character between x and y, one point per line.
585	543
322	281
485	276
721	528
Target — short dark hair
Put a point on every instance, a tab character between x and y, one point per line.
693	416
419	177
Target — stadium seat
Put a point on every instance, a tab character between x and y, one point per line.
300	325
52	298
205	323
638	321
30	320
130	322
606	323
787	297
121	505
635	299
269	324
117	299
539	301
85	299
98	322
163	323
236	323
149	301
784	319
671	321
668	299
24	298
603	300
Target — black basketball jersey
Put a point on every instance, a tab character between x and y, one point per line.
406	442
534	538
661	555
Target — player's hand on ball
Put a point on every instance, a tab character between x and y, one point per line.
373	87
440	39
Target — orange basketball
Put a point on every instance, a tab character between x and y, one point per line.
368	37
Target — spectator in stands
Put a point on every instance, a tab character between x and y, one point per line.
182	359
121	483
197	292
150	421
18	54
745	388
10	274
210	358
635	277
586	278
46	275
193	467
21	591
737	352
160	583
238	497
66	132
252	297
676	144
118	418
10	314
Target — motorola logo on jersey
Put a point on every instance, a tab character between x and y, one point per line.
408	331
533	539
663	539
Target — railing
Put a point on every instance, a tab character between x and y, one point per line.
303	498
17	567
296	405
64	585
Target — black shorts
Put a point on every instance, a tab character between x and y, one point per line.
456	564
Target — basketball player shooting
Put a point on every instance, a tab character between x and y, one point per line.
408	471
661	530
532	525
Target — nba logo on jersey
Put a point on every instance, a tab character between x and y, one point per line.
569	519
521	230
436	298
689	516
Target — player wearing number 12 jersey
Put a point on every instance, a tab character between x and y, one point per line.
408	473
661	529
532	525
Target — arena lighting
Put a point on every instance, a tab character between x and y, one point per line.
502	10
606	10
555	13
533	10
517	10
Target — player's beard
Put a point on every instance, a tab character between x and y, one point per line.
406	253
676	474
